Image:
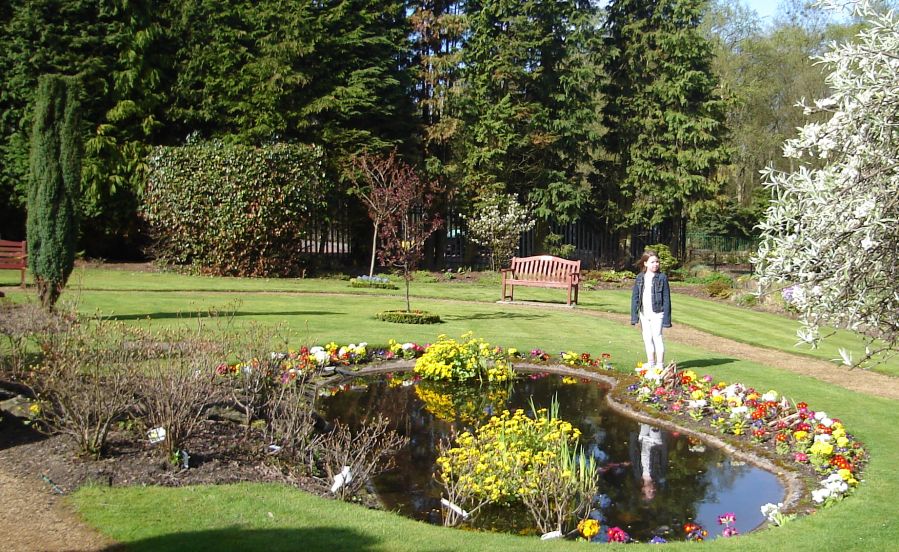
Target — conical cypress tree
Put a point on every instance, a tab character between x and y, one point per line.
55	180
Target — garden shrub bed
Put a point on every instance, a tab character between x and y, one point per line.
408	317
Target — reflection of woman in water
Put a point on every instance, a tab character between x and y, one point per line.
649	457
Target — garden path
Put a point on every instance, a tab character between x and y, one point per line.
862	381
32	517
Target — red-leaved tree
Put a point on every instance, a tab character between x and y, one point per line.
375	178
410	222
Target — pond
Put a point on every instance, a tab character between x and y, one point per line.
685	480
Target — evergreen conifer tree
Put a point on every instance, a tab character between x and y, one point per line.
665	115
56	150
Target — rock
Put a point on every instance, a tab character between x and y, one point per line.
17	406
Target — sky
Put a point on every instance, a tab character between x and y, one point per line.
765	8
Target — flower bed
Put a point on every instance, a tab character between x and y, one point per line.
379	282
771	423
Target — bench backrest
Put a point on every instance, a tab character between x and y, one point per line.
12	250
545	268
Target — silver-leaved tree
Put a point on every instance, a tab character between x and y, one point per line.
832	229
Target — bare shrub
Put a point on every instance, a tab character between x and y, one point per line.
178	386
85	382
361	454
23	327
256	380
291	426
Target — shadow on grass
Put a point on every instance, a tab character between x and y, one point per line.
270	540
191	315
705	362
494	316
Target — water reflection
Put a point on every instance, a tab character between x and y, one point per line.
653	481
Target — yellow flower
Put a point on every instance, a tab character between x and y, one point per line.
34	409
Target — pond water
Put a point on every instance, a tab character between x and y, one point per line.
685	480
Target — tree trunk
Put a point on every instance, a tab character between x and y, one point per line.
374	251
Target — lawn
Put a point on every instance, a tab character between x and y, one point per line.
273	517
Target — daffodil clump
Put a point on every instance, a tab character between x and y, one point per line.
470	358
468	405
501	461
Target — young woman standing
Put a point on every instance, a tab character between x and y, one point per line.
651	305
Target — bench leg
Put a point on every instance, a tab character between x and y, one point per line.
22	284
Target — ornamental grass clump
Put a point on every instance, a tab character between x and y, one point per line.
472	358
514	458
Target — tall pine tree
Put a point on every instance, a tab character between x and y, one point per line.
55	182
530	102
666	137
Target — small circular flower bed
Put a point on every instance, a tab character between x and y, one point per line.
408	317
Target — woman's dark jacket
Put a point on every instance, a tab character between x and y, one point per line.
661	298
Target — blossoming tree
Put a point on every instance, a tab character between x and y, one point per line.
497	224
830	230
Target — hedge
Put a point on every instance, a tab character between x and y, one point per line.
235	210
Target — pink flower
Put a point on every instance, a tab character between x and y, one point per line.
727	519
800	457
616	534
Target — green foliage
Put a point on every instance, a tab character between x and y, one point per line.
235	210
709	278
614	276
408	317
665	116
667	261
55	183
554	246
530	102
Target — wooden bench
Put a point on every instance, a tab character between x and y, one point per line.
13	256
542	271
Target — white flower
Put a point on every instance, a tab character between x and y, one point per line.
770	510
819	495
701	403
770	396
408	346
868	243
739	412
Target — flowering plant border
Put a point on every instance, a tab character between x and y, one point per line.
781	434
